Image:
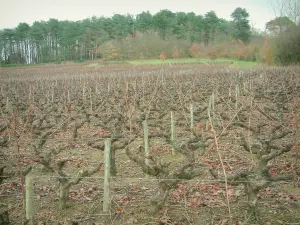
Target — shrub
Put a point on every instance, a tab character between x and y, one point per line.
220	49
110	52
212	54
163	56
267	55
194	51
287	46
252	53
177	53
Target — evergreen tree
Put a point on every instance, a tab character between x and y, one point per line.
241	27
54	40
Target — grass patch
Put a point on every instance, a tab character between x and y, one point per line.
243	64
235	63
94	65
158	61
79	61
113	62
17	65
106	63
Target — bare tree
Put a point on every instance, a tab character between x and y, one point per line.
289	8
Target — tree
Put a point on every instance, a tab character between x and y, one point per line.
198	24
279	25
285	31
9	36
54	40
225	26
70	40
210	28
144	21
288	46
163	22
53	28
3	49
37	35
22	34
288	8
181	25
242	29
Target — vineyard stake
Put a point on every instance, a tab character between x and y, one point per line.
146	143
106	202
29	200
172	131
192	116
91	101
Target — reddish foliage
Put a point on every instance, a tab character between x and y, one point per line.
194	50
163	56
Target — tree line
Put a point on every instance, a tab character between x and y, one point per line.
56	41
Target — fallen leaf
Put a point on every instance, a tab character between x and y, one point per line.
132	220
133	186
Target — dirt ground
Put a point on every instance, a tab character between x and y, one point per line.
201	200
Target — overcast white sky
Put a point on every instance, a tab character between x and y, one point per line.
14	11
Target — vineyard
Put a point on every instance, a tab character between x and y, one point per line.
189	144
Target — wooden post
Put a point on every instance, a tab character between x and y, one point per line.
83	92
172	131
52	93
69	98
106	202
7	103
213	106
209	107
91	101
192	116
213	102
29	200
29	97
146	143
237	94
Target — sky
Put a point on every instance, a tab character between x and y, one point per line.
12	12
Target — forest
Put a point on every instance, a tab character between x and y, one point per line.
151	119
162	35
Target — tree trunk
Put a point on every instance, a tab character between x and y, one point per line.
252	201
4	218
64	189
2	177
159	198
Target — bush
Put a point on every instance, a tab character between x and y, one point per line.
163	56
177	53
287	46
194	51
150	45
212	54
110	52
267	54
252	54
